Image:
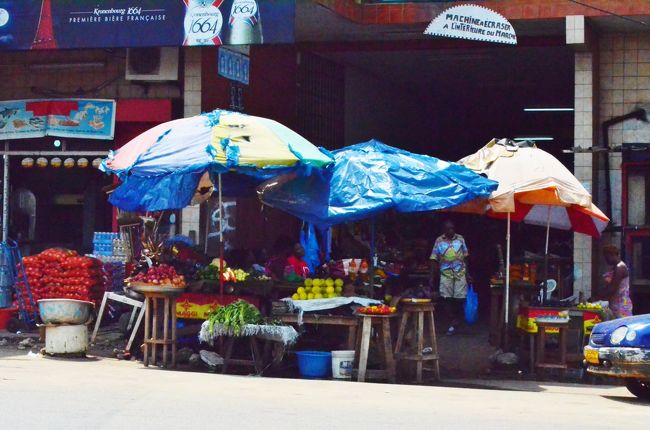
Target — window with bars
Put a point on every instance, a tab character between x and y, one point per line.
320	100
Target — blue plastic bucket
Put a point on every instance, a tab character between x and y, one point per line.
5	297
314	364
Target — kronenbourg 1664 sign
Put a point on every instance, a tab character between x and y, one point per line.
473	22
203	23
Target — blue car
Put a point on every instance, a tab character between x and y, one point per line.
621	348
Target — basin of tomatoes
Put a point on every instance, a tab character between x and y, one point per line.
377	310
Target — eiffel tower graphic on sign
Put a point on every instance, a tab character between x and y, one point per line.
44	38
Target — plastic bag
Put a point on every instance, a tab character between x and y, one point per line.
471	306
309	242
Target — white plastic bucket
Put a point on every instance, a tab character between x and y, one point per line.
342	362
66	339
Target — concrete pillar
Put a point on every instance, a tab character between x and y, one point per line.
586	121
191	216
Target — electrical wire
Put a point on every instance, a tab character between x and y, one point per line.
78	92
636	21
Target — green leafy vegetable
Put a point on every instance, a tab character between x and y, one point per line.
234	316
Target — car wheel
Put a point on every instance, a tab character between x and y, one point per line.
639	388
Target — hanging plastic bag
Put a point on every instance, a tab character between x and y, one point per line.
309	242
471	306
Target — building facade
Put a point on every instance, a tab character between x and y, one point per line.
359	69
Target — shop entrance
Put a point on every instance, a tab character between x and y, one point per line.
444	101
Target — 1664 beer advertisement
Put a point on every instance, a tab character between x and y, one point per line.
65	24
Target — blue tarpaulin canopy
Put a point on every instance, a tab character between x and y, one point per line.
371	177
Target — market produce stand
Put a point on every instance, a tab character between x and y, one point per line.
280	335
581	320
153	295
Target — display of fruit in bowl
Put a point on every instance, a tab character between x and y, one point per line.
163	275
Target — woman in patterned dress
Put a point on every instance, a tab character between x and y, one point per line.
617	284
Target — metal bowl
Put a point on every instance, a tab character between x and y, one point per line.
64	311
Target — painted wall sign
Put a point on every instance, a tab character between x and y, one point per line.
65	24
82	118
473	22
233	65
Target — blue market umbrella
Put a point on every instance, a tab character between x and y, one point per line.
162	168
371	177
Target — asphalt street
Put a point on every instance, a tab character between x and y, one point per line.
46	393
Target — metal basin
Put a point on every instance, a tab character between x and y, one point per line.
64	311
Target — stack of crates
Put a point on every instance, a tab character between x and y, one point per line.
103	243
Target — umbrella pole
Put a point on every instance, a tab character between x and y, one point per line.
506	306
548	230
5	196
373	252
221	250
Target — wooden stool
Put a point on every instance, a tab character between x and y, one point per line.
363	347
152	302
417	313
540	353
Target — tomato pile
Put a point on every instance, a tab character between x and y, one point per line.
62	274
377	310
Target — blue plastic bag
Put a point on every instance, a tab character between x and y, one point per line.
309	242
471	306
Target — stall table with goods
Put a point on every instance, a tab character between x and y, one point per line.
581	318
526	279
62	273
161	285
242	322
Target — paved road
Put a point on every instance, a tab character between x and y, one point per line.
43	393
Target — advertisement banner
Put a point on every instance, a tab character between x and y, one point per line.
198	306
80	118
473	22
68	24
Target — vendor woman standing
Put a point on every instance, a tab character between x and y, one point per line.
617	284
449	272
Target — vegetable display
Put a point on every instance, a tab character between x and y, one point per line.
234	316
211	273
62	274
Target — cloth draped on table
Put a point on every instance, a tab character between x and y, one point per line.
276	333
303	306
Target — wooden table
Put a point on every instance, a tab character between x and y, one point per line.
350	322
497	303
152	298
